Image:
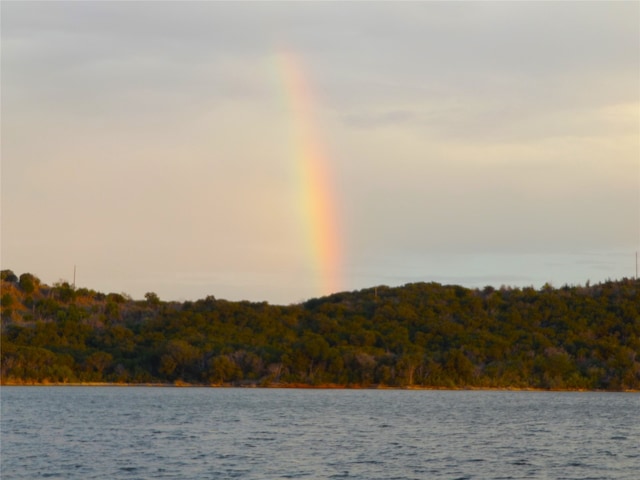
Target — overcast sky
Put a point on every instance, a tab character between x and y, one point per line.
150	144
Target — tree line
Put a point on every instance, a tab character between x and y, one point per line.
417	335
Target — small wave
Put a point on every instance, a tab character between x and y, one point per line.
367	462
340	475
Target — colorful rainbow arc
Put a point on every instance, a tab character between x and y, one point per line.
313	177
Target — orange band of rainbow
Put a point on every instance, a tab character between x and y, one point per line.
317	199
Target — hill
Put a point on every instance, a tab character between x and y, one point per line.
417	335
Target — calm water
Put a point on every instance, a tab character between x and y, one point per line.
180	433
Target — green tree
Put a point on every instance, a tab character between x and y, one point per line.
7	300
29	283
153	300
223	369
98	362
8	276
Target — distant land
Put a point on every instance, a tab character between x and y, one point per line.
420	335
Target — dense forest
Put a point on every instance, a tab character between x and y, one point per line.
417	335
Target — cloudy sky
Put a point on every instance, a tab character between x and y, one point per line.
153	145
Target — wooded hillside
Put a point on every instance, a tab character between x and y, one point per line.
421	334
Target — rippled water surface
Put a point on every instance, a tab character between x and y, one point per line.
201	433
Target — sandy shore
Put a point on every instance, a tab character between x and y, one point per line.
329	386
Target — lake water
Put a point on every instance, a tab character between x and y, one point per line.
202	433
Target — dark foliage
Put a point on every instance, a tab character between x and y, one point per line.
421	334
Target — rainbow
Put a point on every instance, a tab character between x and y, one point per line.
316	197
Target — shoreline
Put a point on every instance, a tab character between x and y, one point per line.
299	386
